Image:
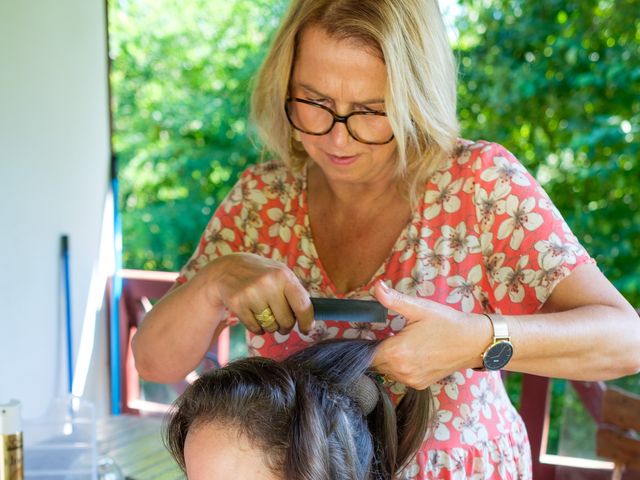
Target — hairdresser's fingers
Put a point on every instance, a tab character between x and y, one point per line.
248	319
283	314
300	303
411	308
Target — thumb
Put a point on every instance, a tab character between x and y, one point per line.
407	306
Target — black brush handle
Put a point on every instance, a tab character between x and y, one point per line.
347	310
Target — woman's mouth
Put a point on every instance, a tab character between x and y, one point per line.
342	160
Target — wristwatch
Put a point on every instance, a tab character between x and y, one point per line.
498	354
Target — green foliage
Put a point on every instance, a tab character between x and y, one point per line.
558	83
181	81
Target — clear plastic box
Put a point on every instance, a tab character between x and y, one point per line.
62	444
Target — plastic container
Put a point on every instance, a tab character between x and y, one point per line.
62	444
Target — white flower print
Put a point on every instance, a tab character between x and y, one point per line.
469	185
454	462
521	216
492	261
309	275
435	463
235	197
303	232
279	186
249	221
445	197
482	469
411	242
410	472
506	171
450	385
194	265
502	457
255	195
459	242
397	323
547	279
282	223
438	427
487	204
419	282
484	398
255	344
408	284
435	261
219	239
553	252
465	290
359	330
247	192
280	338
319	332
471	430
513	281
462	153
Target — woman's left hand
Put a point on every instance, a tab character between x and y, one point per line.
436	340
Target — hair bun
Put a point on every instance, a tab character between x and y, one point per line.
365	393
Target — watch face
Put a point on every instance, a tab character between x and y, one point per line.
498	355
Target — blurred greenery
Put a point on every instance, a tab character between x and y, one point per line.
557	82
181	80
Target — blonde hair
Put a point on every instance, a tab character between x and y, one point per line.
421	89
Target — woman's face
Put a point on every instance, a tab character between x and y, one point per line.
213	451
344	76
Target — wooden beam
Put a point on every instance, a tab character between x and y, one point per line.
623	448
621	408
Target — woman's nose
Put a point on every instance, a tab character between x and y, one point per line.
339	134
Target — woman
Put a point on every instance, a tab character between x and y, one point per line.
372	195
317	415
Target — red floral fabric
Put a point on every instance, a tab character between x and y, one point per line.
485	238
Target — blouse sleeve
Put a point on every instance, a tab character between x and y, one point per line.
527	246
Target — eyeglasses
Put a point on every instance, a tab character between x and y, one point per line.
372	128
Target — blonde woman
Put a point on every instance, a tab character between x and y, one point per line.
371	194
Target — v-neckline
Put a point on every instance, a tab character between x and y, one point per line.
326	279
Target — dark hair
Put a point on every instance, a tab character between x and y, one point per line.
318	414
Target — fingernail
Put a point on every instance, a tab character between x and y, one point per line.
384	286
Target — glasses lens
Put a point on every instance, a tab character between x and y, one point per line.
365	127
370	128
309	118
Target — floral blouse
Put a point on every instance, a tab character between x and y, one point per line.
484	238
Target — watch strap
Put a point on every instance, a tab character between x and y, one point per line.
500	328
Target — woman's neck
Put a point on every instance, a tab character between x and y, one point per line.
350	197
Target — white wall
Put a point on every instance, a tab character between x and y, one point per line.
54	175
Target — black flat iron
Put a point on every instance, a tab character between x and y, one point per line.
348	310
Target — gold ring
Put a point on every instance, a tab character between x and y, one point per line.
266	319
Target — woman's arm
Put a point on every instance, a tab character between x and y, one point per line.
586	330
177	332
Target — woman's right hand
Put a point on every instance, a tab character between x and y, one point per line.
248	284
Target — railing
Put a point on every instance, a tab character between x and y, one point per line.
141	289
